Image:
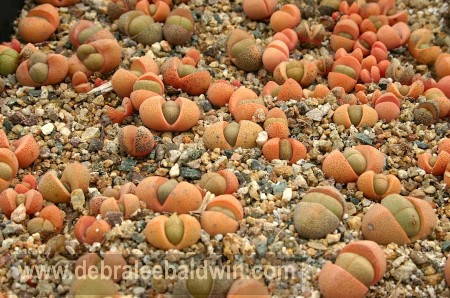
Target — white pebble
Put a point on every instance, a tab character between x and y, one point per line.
47	128
287	194
262	138
174	171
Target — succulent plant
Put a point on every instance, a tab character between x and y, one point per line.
447	271
74	176
222	215
398	219
444	85
202	284
344	35
245	287
140	27
347	166
161	115
80	82
373	23
39	24
112	262
219	183
118	7
432	164
365	42
9	60
356	53
359	265
49	221
287	36
158	10
192	57
327	7
420	47
219	92
88	229
243	51
123	80
345	73
93	285
174	232
8	167
371	71
310	36
26	149
287	17
259	9
10	200
394	36
284	149
136	141
276	124
442	65
400	73
85	32
275	53
357	115
232	135
128	205
426	113
185	76
179	26
319	212
42	69
387	106
163	195
377	186
244	104
102	56
28	183
303	72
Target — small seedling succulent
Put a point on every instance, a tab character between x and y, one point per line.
174	232
243	51
357	115
287	36
85	32
163	195
344	35
179	26
420	47
244	104
226	135
74	176
28	183
259	9
88	229
8	60
49	221
360	264
345	73
127	205
432	164
136	141
275	53
413	90
347	166
219	92
9	166
118	7
377	186
222	215
310	36
394	36
319	212
10	200
287	17
284	149
398	219
276	124
219	183
387	106
161	115
140	27
39	24
42	69
158	10
426	113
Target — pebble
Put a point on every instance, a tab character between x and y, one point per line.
90	133
188	173
47	128
404	272
174	171
262	138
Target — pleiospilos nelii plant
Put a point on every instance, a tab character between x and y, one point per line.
398	219
75	176
202	284
357	115
140	27
347	166
243	51
319	212
158	10
174	232
164	195
222	215
219	183
171	115
377	186
276	124
42	69
359	265
284	149
179	26
232	135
